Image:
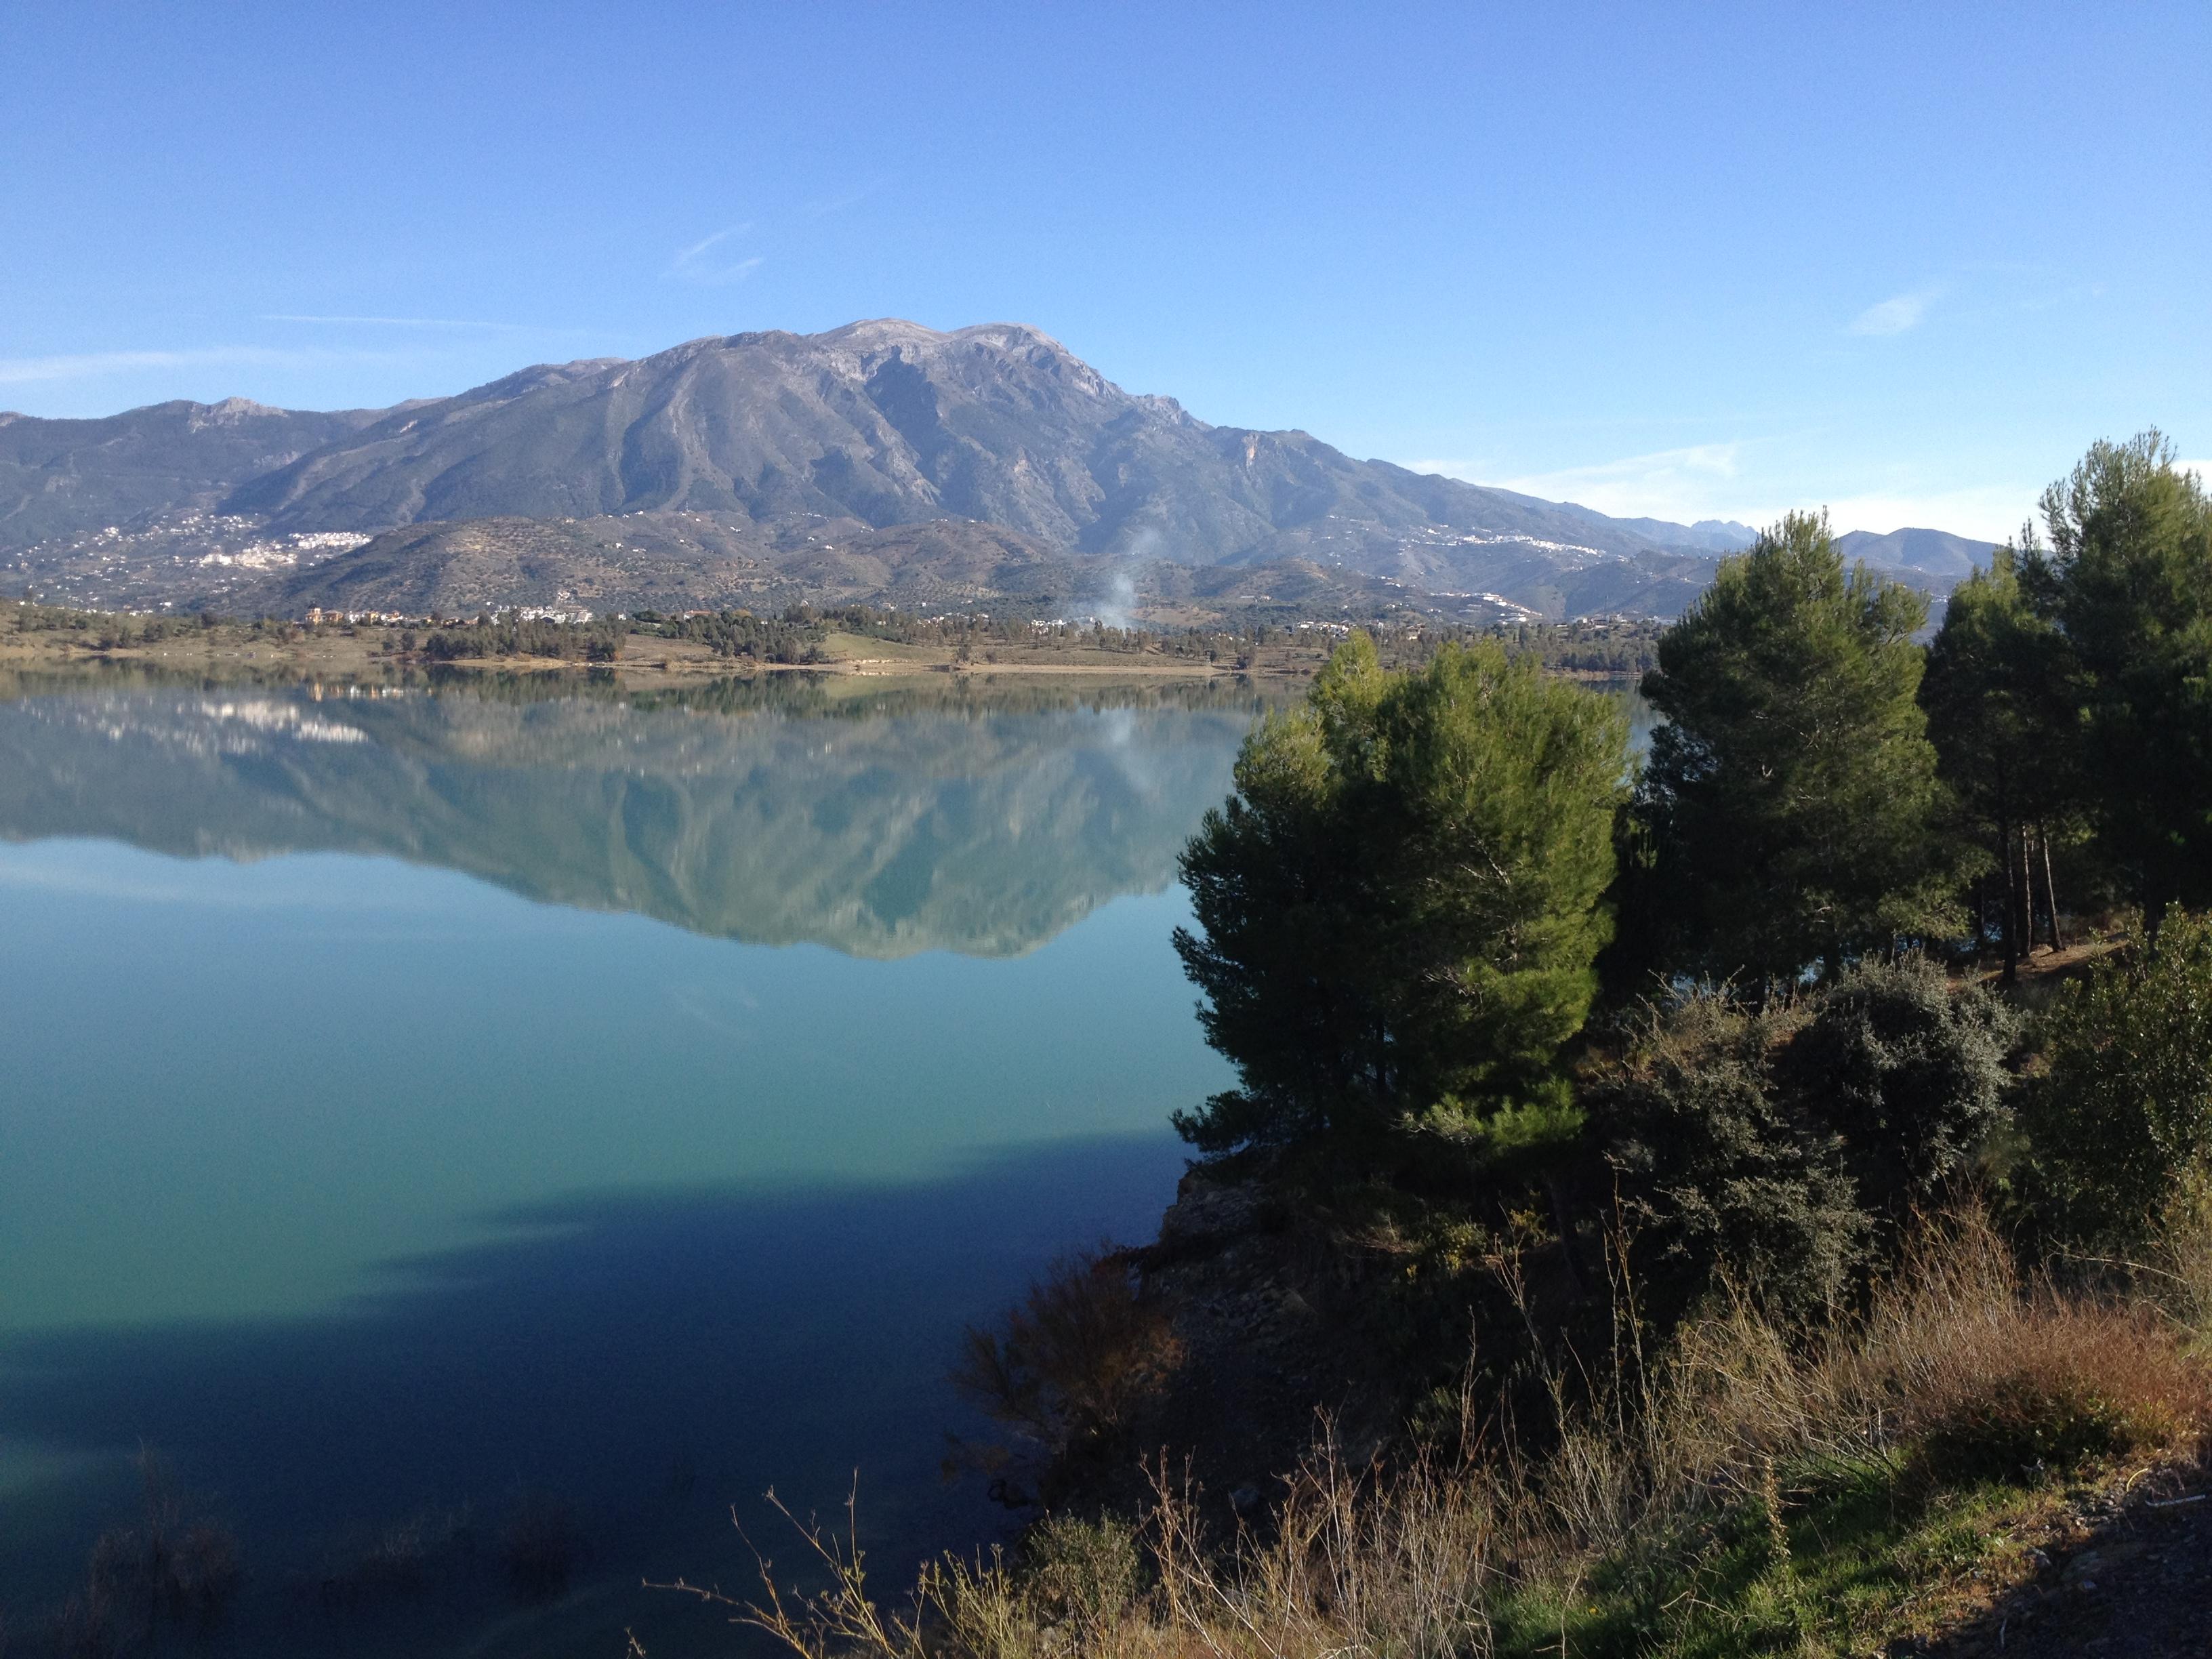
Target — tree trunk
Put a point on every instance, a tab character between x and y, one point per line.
2012	903
2049	890
2027	845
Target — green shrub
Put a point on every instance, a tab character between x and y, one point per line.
1715	1172
1078	1574
1785	1146
1909	1075
2120	1122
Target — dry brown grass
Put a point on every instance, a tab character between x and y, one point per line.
1986	1379
1959	1366
1070	1362
1960	1371
1355	1560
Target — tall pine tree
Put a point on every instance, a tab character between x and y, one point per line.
1999	692
1791	801
2127	583
1399	908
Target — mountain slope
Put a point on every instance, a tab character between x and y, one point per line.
882	460
1926	552
676	561
67	478
886	422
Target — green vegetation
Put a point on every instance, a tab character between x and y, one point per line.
1399	908
1791	803
794	637
103	631
2070	693
1789	1145
2126	585
1601	647
1996	694
513	635
2121	1118
1686	1291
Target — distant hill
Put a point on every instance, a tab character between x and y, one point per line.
65	477
881	460
1716	537
1951	559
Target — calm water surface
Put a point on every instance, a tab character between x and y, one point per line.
419	1103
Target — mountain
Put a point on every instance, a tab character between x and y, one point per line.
1936	553
676	561
67	478
887	423
1717	536
882	460
767	814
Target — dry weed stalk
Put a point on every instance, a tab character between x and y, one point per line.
1955	1353
1357	1561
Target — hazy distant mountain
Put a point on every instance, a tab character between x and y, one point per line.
1715	536
1928	552
881	460
62	478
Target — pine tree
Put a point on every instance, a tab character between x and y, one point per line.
1399	908
1791	799
1998	692
2127	583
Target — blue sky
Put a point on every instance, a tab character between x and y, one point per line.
1907	262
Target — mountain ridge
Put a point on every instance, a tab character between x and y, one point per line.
777	449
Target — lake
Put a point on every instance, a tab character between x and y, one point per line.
428	1105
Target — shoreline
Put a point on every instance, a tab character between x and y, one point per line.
649	662
646	662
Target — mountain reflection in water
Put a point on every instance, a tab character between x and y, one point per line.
774	812
366	1190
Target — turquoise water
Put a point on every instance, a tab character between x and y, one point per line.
418	1102
421	1101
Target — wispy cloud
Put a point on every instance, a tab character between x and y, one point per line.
392	322
1899	314
1722	481
1667	483
822	206
708	260
91	365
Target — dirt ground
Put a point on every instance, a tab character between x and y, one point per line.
2125	1576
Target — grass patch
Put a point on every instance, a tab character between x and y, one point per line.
1856	1559
851	647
